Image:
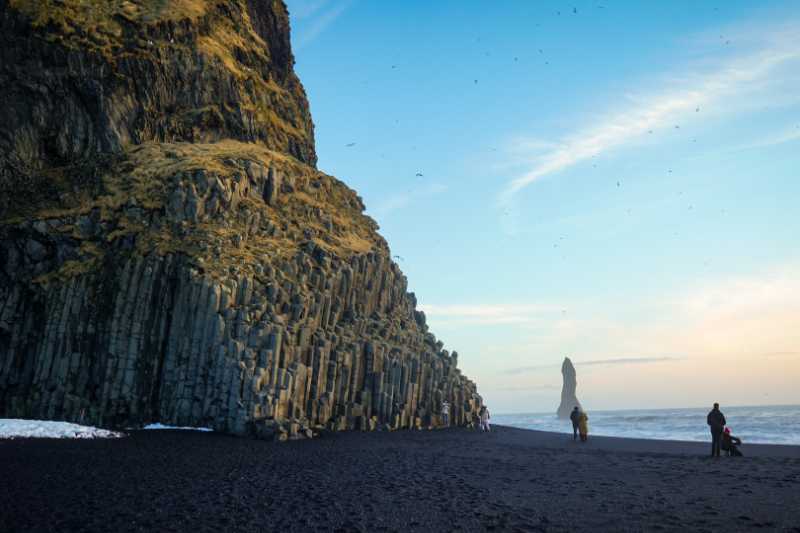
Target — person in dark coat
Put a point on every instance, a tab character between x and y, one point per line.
717	421
574	417
730	444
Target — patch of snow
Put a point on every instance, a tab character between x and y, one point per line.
161	426
20	429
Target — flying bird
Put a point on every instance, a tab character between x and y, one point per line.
420	175
392	66
400	258
696	110
351	144
575	10
617	184
476	81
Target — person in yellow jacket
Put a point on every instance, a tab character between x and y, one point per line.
583	426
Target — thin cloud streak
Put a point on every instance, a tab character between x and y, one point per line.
606	362
542	387
322	22
773	140
464	315
657	111
397	201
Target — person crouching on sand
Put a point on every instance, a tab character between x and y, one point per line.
574	417
583	425
485	421
717	421
730	444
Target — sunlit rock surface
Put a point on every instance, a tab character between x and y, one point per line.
169	252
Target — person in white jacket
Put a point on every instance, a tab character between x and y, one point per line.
485	420
445	413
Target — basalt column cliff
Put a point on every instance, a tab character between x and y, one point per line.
169	251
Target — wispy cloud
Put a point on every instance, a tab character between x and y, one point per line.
776	139
634	360
322	13
504	389
510	313
604	362
393	203
743	315
707	85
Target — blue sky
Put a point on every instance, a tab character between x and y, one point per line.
617	185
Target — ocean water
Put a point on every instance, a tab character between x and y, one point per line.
779	424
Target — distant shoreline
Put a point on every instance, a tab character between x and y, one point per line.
535	437
553	413
754	425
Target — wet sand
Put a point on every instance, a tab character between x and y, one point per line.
446	480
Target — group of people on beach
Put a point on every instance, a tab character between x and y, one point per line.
483	414
721	438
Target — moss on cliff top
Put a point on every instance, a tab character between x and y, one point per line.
143	178
99	24
247	40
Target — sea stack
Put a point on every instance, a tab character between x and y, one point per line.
169	251
568	399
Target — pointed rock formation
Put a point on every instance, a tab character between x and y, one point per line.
568	399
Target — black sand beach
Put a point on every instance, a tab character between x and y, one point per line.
447	480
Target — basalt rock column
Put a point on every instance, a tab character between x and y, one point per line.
169	251
568	399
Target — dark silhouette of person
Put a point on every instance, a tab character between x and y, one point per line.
574	417
717	422
730	444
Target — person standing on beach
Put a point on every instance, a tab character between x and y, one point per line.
574	417
583	425
717	421
485	421
445	413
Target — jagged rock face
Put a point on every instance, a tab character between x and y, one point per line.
150	340
269	347
196	279
79	87
568	399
